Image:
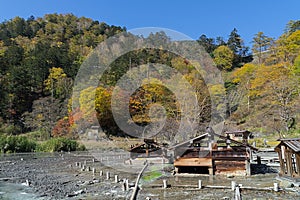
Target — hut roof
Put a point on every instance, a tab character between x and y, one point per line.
200	137
292	143
239	131
190	140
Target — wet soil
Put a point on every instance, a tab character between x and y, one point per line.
56	176
59	176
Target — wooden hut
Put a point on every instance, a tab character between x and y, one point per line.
150	151
211	153
289	156
240	135
149	148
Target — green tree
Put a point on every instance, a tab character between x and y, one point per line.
13	55
292	26
261	43
207	43
236	44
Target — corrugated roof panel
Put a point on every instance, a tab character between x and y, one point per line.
293	144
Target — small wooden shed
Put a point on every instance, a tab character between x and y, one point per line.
211	153
240	135
289	156
149	148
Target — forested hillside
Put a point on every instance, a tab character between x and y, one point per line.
40	57
270	84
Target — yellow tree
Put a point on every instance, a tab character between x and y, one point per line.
243	77
278	86
288	47
58	83
87	103
103	108
223	57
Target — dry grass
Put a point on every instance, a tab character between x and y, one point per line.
112	143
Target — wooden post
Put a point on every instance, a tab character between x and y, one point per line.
107	176
282	167
259	160
127	184
276	187
88	169
211	171
93	160
250	155
165	184
237	195
298	164
199	184
94	171
85	162
123	186
101	173
289	163
233	185
176	170
147	153
248	167
116	179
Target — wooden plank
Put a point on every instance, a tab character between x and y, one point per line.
193	162
298	164
230	158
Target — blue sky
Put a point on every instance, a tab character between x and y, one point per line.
193	18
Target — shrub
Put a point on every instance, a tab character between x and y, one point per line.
60	144
38	135
9	129
16	144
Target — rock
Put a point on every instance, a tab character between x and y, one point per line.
76	193
230	176
27	183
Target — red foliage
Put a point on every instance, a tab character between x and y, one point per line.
62	128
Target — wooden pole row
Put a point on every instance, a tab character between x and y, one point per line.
83	167
200	185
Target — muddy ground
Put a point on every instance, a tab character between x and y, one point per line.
56	176
59	176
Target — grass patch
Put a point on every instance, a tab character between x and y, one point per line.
149	176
